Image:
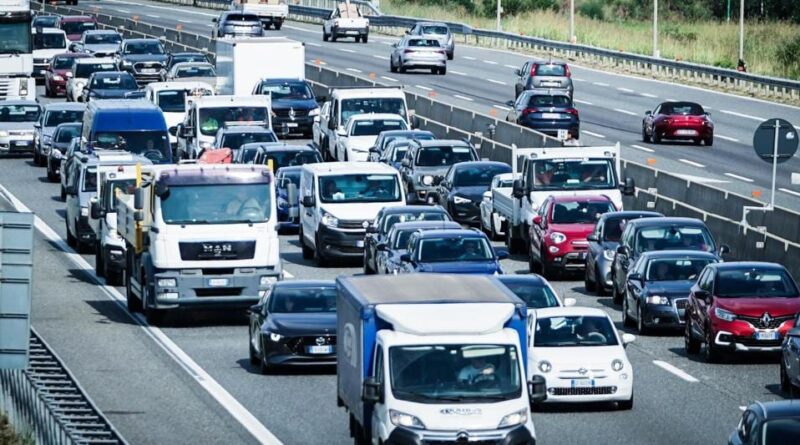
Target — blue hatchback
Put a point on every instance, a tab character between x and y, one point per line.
462	251
288	209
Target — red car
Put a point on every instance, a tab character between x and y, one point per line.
559	230
740	307
74	25
679	121
57	73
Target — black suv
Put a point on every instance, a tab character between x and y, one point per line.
426	162
294	106
144	58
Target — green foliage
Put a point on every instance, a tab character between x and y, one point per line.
725	62
788	55
10	437
678	33
516	7
592	9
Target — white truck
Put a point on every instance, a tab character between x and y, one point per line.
542	172
199	236
431	358
271	12
240	62
346	21
16	51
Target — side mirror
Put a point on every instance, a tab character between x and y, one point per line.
501	253
70	190
381	247
623	250
648	113
724	249
96	211
374	150
173	130
138	199
569	302
73	47
308	201
439	180
408	32
537	220
628	339
537	389
405	162
487	195
331	124
702	295
214	20
406	257
341	132
518	72
635	277
372	392
134	95
37	125
510	103
629	188
592	238
161	189
518	190
255	309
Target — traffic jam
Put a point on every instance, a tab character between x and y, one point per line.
180	173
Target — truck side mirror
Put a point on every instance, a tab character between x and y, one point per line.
372	229
635	277
161	189
537	389
405	162
518	190
372	391
138	199
96	211
629	188
592	238
309	201
173	130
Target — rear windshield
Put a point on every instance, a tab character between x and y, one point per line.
480	175
438	30
242	18
19	113
549	101
443	156
674	238
375	127
66	133
172	101
290	158
195	71
684	108
53	118
48	21
304	300
189	58
121	82
536	295
550	70
424	43
84	70
234	141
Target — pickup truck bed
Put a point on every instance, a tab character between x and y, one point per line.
503	203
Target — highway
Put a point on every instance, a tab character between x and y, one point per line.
191	382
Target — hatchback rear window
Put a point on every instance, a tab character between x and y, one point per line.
241	18
437	30
549	101
424	43
550	70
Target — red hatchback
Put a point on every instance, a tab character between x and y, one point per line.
680	121
58	72
559	230
74	26
740	307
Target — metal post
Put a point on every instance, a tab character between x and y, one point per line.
499	11
572	38
775	162
728	13
741	29
655	28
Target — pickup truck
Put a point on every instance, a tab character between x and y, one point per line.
556	171
346	21
271	12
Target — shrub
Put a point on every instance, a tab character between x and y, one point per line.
788	55
592	9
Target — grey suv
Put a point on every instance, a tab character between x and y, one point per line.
436	30
426	162
543	75
237	24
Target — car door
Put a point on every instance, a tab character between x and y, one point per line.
371	240
650	119
595	248
791	355
444	188
521	78
633	288
256	321
706	284
623	260
73	204
537	231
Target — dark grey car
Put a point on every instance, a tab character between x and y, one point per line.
543	75
237	24
427	160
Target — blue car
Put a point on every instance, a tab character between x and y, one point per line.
288	210
463	251
109	85
546	111
387	257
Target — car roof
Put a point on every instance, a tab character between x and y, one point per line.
355	93
580	198
432	24
460	233
111	73
350	167
413	208
59	106
48	31
546	92
100	31
548	62
230	101
667	221
187	53
468	164
414	225
290	169
628	214
68	124
442	142
778	409
734	265
95	60
654	254
179	85
245	129
280	81
139	40
123	105
570	311
374	116
300	284
191	64
284	147
77	18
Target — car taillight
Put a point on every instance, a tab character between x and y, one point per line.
408	51
528	111
566	70
441	51
533	69
572	111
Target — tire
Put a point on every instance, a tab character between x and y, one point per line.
63	194
71	240
367	270
36	158
47	92
690	344
357	39
99	268
308	253
617	295
492	230
626	319
546	270
277	25
392	68
324	36
450	56
319	257
401	68
626	405
365	38
134	303
443	71
267	26
645	136
517	91
711	352
640	326
333	36
591	286
113	278
709	141
254	359
656	137
434	70
155	317
264	366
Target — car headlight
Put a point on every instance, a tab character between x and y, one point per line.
558	237
330	220
426	180
722	314
58	77
407	420
56	153
514	419
617	365
275	337
167	282
68	74
84	211
609	255
3	134
460	200
314	112
657	299
267	281
126	64
544	366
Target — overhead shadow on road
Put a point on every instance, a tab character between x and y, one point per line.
84	276
776	390
288	370
203	318
733	359
62	213
111	310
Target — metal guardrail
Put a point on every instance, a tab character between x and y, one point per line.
47	402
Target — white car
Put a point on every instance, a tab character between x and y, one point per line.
581	355
82	69
491	222
361	131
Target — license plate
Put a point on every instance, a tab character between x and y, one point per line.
360	243
551	115
149	70
217	282
551	84
686	132
767	335
353	32
324	349
583	383
21	143
291	125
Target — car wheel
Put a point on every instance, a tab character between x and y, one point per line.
357	39
333	35
533	266
640	326
492	229
365	38
626	318
400	66
392	69
786	385
656	137
546	270
264	366
71	241
278	26
253	352
319	257
434	70
626	405
600	288
63	193
645	136
709	141
324	35
51	175
99	270
588	284
443	70
450	56
712	353
690	344
36	160
367	270
308	253
617	294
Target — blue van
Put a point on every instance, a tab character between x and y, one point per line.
136	126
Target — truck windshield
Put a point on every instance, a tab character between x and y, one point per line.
574	174
77	27
49	41
286	300
154	145
172	101
351	107
84	70
556	332
217	204
359	188
102	38
450	249
110	192
443	156
295	90
212	118
56	117
455	373
16	38
19	113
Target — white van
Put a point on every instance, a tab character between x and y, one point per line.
338	201
171	98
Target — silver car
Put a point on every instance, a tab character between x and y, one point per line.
436	30
192	72
418	53
17	120
236	24
52	115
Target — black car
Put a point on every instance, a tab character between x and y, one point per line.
294	324
109	85
546	111
143	58
389	216
282	155
603	244
62	138
768	423
461	190
534	290
174	58
294	106
236	136
44	21
658	285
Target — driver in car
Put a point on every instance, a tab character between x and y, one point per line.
589	331
477	371
471	251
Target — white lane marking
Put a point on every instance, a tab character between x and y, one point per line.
652	96
791	192
591	133
153	16
600	84
639	147
746	116
500	107
423	87
185	21
312	44
490	62
297	28
380	57
287	274
513	67
680	373
584	102
742	408
124	11
727	138
345	50
620	110
166	8
701	179
625	90
741	178
469	58
223	397
458	96
578	79
354	70
692	163
458	72
671	100
499	82
390	79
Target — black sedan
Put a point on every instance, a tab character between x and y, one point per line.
768	423
294	324
461	190
109	85
534	290
62	138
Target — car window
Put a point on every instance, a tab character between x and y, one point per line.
443	156
675	269
287	90
685	108
423	43
478	176
49	40
535	295
241	18
437	30
19	113
612	229
144	47
77	27
578	212
62	63
574	331
376	126
55	117
549	101
121	82
550	70
352	188
454	248
89	180
195	71
66	133
674	238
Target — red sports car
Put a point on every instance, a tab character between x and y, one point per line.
678	120
57	73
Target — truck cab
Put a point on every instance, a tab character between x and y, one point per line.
271	12
16	52
346	21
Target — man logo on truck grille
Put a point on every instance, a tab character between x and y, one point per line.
217	250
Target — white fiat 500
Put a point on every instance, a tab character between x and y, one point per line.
581	356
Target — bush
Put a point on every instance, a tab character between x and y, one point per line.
10	437
592	9
725	62
678	33
788	56
516	7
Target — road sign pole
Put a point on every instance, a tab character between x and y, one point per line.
775	161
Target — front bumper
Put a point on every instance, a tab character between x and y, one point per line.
296	350
568	258
339	243
739	343
213	288
611	388
665	316
467	213
519	435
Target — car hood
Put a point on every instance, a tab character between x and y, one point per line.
133	58
461	267
301	324
573	231
356	210
670	288
474	193
16	126
756	307
432	171
361	142
298	104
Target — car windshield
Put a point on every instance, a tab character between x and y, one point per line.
296	91
89	180
67	132
754	282
436	30
374	127
172	101
574	175
551	70
213	118
110	189
423	43
19	113
118	82
102	39
443	156
675	269
196	71
478	176
781	431
62	63
545	101
574	331
684	108
454	248
579	212
305	300
44	21
84	70
49	40
55	117
612	229
535	295
216	204
234	141
453	374
395	218
154	145
241	18
145	47
360	188
351	107
77	27
290	158
674	238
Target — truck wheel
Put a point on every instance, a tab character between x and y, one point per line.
358	39
365	38
134	303
113	278
278	25
99	268
307	252
267	26
155	317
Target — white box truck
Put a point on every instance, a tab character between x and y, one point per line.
244	61
16	51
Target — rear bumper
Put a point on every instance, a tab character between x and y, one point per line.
350	32
682	132
551	127
424	63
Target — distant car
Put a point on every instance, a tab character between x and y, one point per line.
235	136
282	155
58	72
418	53
389	216
361	131
288	210
109	85
740	307
581	356
393	154
460	191
143	58
248	153
174	58
17	120
53	114
768	423
75	25
98	43
294	324
192	72
63	137
790	359
543	74
385	137
492	223
546	111
294	106
47	43
346	21
559	232
389	252
657	290
535	291
435	30
679	121
44	21
452	251
603	243
426	160
82	69
237	24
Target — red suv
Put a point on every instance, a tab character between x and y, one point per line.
740	307
559	230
